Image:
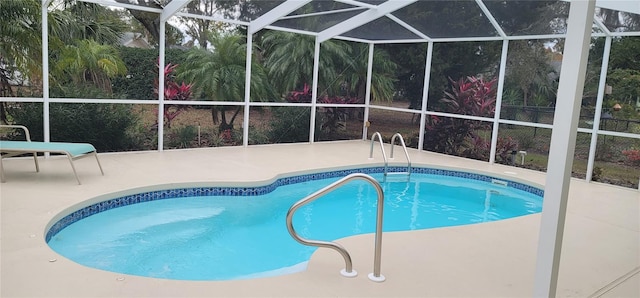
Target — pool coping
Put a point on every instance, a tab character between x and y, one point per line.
106	202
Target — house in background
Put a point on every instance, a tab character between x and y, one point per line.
135	40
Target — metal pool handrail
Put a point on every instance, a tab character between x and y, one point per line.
348	271
384	154
406	153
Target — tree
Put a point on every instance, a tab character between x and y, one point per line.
91	21
200	28
461	59
410	60
245	10
20	42
618	21
625	84
623	74
87	62
220	75
383	73
289	57
625	53
450	60
150	21
20	45
530	17
529	70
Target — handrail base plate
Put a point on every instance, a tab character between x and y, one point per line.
380	278
344	273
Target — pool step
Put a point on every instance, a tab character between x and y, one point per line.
398	173
397	177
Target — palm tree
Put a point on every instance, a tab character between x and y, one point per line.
289	57
383	75
220	75
20	41
88	62
90	21
21	44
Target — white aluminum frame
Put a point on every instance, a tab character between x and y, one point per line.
564	129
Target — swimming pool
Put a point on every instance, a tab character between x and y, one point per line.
221	233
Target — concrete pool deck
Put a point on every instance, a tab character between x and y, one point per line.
600	257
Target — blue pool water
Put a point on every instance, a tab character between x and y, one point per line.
226	237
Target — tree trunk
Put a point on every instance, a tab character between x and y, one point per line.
150	20
5	90
214	115
224	125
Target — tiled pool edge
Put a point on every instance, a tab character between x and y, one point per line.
260	190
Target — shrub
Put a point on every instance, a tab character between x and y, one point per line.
331	119
478	148
172	91
142	69
596	175
633	156
257	136
105	126
470	96
290	125
505	150
182	137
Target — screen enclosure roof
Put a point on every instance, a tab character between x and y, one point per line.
402	21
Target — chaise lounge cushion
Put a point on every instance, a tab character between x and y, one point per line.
74	149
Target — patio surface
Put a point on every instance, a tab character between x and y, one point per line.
600	257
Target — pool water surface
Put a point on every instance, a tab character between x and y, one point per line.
226	237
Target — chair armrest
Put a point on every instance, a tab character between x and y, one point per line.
24	128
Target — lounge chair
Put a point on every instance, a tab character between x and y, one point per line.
73	151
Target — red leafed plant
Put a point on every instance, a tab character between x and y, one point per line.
466	96
331	115
471	96
303	96
633	156
173	91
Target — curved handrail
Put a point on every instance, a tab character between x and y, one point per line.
348	271
404	147
384	154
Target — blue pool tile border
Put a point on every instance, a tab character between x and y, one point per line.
260	190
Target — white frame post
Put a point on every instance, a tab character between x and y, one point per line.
247	90
166	13
596	116
498	109
563	140
367	96
45	71
161	64
314	92
425	95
